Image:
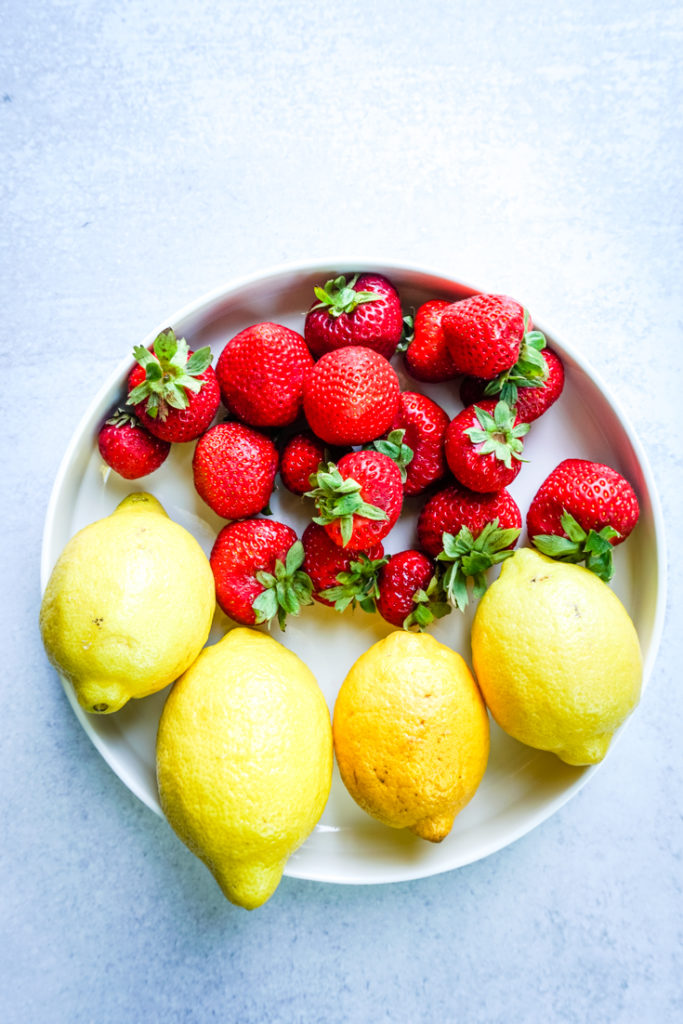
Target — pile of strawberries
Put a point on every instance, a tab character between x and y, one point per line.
326	411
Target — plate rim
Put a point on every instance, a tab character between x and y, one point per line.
399	872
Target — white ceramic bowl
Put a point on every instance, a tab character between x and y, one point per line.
522	787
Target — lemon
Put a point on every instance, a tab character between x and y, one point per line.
244	761
556	656
128	606
411	733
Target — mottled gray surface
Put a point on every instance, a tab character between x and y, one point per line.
151	151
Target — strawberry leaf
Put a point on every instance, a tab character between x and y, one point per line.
339	296
591	547
497	435
356	585
468	556
430	604
407	332
338	498
166	345
530	370
286	590
170	376
392	445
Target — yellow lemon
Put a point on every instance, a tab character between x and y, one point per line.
244	761
411	733
128	606
556	656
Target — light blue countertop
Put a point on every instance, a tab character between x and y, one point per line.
152	151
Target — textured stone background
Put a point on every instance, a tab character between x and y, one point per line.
151	151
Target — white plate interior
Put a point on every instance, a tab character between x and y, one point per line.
521	787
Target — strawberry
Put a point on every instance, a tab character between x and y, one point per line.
424	424
351	396
358	499
409	591
234	469
580	512
484	446
427	357
300	458
469	533
128	448
364	310
256	564
173	391
455	507
340	577
484	334
261	374
531	389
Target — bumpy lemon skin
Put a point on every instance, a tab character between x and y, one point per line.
128	606
411	734
244	761
556	656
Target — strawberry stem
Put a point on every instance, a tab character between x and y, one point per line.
357	585
393	446
470	556
170	373
429	604
338	498
590	546
530	370
286	590
497	434
339	296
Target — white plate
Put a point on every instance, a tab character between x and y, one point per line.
522	787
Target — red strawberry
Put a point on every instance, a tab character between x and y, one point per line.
470	532
364	310
261	374
257	568
234	469
300	459
128	448
409	592
531	394
424	424
484	446
580	511
484	334
359	499
340	577
427	356
351	396
453	507
174	391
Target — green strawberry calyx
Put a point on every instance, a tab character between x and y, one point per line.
469	556
497	435
170	373
590	546
286	590
407	331
429	604
339	296
356	585
121	418
393	446
530	370
339	498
